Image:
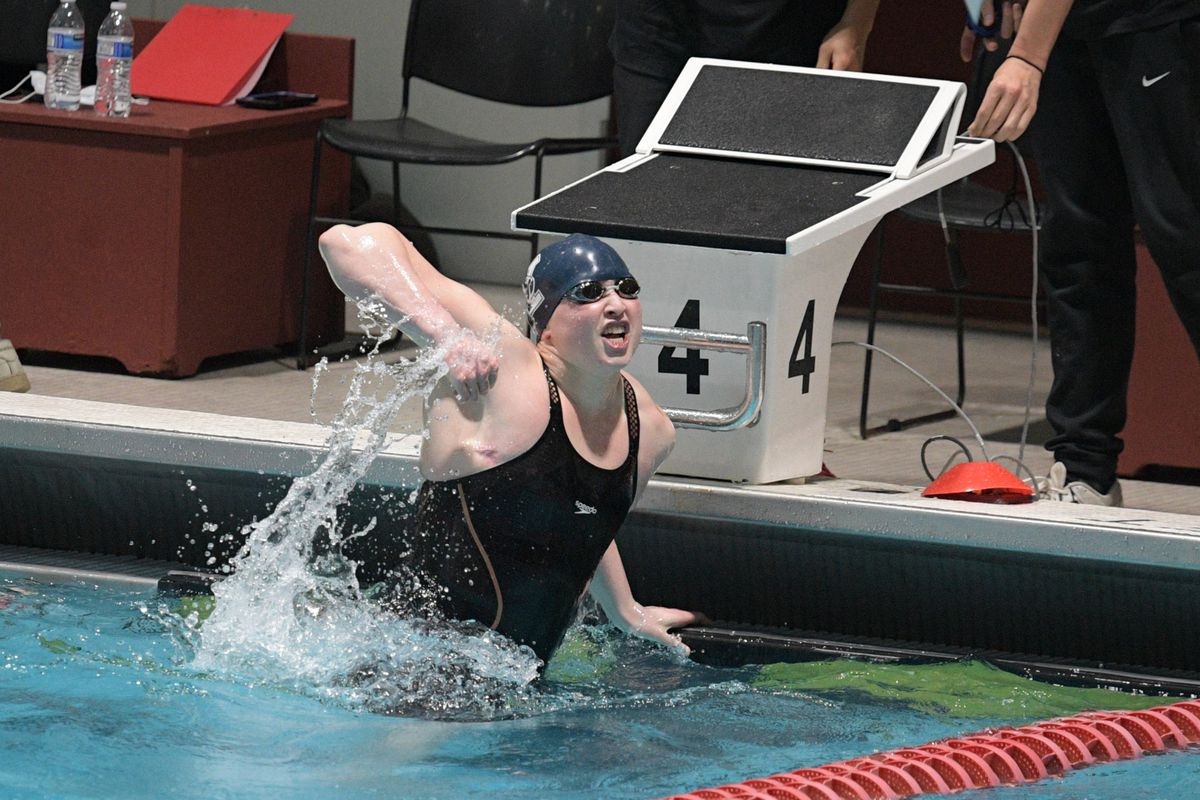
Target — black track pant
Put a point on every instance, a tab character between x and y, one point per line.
1117	141
654	39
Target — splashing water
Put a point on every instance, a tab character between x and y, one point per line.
292	613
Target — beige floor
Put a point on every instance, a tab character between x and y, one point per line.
998	367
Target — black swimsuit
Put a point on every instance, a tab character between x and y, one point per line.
514	546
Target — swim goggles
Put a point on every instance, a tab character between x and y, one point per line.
591	291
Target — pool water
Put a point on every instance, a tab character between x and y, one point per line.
292	684
102	695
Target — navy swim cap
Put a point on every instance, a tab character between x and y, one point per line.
560	267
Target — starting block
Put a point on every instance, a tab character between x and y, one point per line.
741	214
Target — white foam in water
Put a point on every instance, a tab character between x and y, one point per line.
293	614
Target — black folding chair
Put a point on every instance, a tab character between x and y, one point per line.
548	53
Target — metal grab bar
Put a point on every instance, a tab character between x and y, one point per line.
753	344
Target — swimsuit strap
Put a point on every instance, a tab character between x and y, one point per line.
631	417
554	399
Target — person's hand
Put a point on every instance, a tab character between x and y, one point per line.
656	623
473	366
1010	23
1011	98
844	47
1010	101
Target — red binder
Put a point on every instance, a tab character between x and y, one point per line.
207	55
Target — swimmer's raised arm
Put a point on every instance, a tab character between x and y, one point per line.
376	260
375	263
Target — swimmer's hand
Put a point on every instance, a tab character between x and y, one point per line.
656	623
473	366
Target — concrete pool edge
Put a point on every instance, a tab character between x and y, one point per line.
57	566
202	440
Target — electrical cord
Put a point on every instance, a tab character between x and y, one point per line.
22	82
942	438
1033	320
86	94
1020	466
957	409
1032	218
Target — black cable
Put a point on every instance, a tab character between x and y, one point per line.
942	438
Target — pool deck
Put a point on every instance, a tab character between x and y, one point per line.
997	379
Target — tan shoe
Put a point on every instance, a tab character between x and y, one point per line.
1055	487
12	374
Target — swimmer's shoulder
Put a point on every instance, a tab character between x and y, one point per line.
657	430
520	357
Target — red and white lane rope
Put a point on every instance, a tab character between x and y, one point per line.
996	757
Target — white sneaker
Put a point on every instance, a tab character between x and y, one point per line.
1055	487
12	374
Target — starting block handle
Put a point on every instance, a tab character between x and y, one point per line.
753	344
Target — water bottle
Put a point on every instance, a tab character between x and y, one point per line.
114	54
64	57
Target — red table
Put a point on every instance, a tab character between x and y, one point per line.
174	235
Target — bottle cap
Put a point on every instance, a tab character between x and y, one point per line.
117	6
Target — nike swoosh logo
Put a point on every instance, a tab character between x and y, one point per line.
1151	81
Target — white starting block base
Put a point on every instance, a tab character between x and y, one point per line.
796	297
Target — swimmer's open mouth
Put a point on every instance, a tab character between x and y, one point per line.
615	333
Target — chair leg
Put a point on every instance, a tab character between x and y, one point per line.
895	424
872	314
396	194
309	243
958	282
959	331
537	193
